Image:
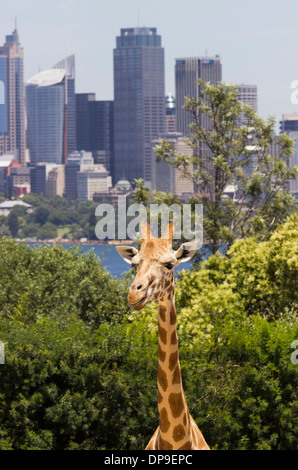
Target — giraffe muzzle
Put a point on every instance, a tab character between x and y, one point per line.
138	305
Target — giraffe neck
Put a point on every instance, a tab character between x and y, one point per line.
174	418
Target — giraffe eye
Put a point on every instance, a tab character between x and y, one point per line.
169	265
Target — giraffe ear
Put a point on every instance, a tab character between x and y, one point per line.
186	251
127	252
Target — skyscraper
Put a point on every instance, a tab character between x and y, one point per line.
51	113
139	101
248	94
12	105
68	64
289	124
95	128
45	103
170	113
187	72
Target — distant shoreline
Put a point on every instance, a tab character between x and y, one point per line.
66	241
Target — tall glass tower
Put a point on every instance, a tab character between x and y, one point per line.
139	101
68	64
187	72
45	100
12	105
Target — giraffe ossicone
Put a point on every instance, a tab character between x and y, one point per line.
154	281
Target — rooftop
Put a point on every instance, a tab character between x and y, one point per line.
47	78
11	204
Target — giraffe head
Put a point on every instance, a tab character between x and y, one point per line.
154	264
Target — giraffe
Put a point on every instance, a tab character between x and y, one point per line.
154	281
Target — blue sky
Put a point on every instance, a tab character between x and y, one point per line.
257	39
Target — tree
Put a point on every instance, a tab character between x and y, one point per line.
41	215
13	223
235	150
47	231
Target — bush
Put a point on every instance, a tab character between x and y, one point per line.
51	281
68	388
242	385
80	367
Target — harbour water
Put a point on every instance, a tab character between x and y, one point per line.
110	258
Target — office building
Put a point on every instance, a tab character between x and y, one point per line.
51	117
164	176
19	180
170	124
12	104
187	72
289	124
84	178
95	128
47	179
139	101
83	120
72	167
92	178
45	99
68	64
248	94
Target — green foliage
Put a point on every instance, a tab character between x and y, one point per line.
80	367
48	217
242	386
236	148
55	282
255	278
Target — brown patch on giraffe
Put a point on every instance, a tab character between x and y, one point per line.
170	295
173	360
161	354
160	397
186	446
176	376
176	404
184	419
178	433
149	245
164	422
164	445
163	335
162	378
174	337
173	315
167	283
162	312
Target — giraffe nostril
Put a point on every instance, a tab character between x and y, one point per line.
139	287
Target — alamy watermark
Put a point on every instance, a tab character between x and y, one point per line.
2	92
188	221
2	353
294	94
294	355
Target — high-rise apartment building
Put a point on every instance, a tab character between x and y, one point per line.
12	104
139	101
187	72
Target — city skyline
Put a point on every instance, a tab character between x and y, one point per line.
258	43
